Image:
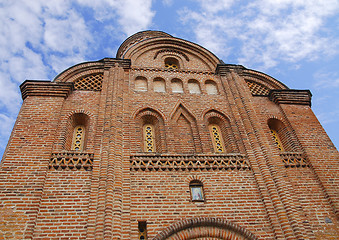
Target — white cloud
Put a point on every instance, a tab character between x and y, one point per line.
325	79
167	2
268	31
132	15
39	39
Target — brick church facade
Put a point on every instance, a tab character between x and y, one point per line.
166	142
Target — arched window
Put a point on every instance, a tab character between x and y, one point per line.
211	87
159	85
197	191
171	63
78	138
77	132
281	137
177	86
150	131
216	136
140	84
193	86
220	131
149	143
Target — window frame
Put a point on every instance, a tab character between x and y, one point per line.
195	184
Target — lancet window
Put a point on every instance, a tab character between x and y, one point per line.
216	137
149	143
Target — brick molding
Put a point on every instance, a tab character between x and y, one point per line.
45	89
290	96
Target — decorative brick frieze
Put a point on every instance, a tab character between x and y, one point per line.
71	161
147	162
290	96
292	159
45	88
166	70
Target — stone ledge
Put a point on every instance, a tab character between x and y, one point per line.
290	96
157	162
45	89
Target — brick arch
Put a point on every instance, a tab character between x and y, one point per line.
214	113
195	178
148	111
70	114
205	228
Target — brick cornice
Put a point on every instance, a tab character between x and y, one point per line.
45	88
111	62
222	69
290	96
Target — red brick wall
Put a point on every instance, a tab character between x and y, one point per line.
268	197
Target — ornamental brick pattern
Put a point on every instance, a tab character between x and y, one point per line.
111	186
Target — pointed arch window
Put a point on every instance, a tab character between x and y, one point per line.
197	191
149	144
216	137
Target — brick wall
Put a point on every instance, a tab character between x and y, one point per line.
49	191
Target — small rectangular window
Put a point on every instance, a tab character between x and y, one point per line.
197	192
142	227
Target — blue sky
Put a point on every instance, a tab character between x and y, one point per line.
294	41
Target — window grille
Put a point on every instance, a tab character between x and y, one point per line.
171	63
216	138
78	138
149	145
277	140
257	89
142	227
90	82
